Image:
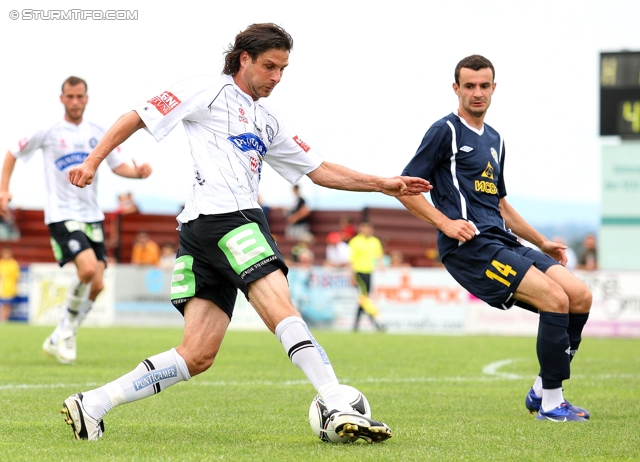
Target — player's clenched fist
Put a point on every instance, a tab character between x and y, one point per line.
82	175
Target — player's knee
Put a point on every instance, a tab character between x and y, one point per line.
581	303
86	273
559	300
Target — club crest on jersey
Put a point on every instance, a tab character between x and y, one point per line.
249	142
488	172
165	102
93	142
494	154
269	133
305	147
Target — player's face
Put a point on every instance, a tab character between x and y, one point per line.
74	98
475	91
259	78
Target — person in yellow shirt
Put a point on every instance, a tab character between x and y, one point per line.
145	251
366	256
9	276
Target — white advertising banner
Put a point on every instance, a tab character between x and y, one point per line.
48	286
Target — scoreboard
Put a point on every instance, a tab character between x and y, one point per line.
620	94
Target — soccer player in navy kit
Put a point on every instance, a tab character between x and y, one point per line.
463	158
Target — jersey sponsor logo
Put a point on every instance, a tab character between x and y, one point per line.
243	119
165	102
241	111
255	164
22	143
246	249
63	144
154	377
488	172
305	147
486	187
249	142
75	158
466	149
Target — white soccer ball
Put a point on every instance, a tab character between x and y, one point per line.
318	419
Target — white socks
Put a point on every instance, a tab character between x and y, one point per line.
150	377
551	398
305	353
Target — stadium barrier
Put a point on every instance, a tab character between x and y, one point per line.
410	300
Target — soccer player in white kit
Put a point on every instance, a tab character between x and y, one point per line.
225	243
72	215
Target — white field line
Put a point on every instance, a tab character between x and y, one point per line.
491	372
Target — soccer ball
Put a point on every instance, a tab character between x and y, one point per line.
320	425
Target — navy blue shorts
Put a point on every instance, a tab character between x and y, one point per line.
220	254
492	269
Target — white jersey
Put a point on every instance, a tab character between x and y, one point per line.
230	136
65	145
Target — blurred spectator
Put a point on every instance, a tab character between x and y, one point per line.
588	256
167	256
126	204
306	258
9	276
347	228
337	251
305	242
396	260
572	258
298	218
8	229
145	251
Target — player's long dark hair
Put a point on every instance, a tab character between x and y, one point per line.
255	40
475	63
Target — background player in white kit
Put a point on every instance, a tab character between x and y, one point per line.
72	215
225	243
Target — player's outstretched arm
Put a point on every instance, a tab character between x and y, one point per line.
336	176
460	230
133	170
7	171
124	127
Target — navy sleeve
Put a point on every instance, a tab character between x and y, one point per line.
435	145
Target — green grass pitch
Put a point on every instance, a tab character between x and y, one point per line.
444	397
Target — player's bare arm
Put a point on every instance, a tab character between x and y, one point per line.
7	171
124	127
336	176
460	230
519	226
134	170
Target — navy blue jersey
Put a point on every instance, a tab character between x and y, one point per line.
465	167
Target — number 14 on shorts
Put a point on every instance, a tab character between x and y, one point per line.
504	270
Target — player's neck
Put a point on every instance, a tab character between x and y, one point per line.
72	121
472	120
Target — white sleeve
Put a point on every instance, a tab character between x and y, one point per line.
116	158
291	157
182	100
25	148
